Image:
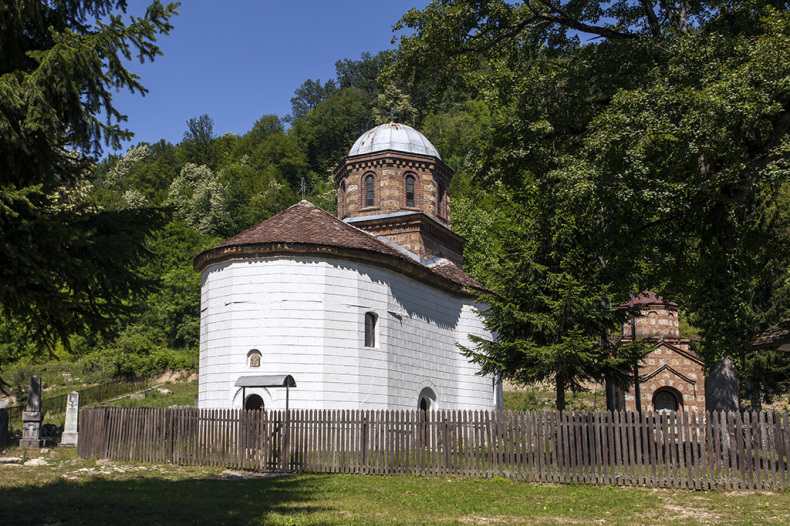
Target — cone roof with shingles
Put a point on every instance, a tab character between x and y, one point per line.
305	229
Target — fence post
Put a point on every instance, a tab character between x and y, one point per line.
365	442
286	441
242	439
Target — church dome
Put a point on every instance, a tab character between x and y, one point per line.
393	136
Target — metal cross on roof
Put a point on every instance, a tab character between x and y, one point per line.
304	186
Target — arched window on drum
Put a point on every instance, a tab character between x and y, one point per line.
440	201
410	190
369	190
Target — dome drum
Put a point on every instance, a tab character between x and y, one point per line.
389	173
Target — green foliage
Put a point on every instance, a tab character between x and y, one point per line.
534	398
308	96
200	200
476	225
327	132
136	356
550	298
392	104
673	123
67	266
198	145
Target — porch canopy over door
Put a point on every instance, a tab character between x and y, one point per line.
267	382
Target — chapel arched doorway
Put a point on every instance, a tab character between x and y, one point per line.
253	402
666	400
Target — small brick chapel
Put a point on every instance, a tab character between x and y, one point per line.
672	377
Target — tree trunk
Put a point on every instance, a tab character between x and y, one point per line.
754	396
721	386
560	394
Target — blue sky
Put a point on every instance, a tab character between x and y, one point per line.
239	59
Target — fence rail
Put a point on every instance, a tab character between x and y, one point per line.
677	450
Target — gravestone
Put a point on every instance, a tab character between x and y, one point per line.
3	424
31	416
69	437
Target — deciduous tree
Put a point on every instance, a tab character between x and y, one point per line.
673	116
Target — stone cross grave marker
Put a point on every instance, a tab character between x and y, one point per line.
31	417
70	434
34	395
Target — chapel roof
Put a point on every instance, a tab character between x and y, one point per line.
648	297
393	136
774	336
305	228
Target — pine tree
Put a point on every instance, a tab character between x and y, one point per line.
66	266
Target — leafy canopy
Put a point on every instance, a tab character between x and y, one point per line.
672	117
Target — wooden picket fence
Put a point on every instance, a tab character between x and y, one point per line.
701	451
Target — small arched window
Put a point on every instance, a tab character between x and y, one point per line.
254	358
370	329
440	200
410	190
370	190
426	400
665	401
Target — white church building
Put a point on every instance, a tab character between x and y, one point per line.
361	311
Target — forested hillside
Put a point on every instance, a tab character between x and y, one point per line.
214	185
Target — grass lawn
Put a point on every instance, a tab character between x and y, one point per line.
536	399
70	490
182	394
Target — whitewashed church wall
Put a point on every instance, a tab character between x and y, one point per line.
307	319
469	391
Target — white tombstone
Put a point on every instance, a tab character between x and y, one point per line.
70	434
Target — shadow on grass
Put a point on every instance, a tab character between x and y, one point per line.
157	501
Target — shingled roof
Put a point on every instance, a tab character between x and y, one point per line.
305	229
774	336
648	297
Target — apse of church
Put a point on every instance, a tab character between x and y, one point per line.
394	184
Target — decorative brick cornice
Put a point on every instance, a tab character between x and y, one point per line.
671	370
392	158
